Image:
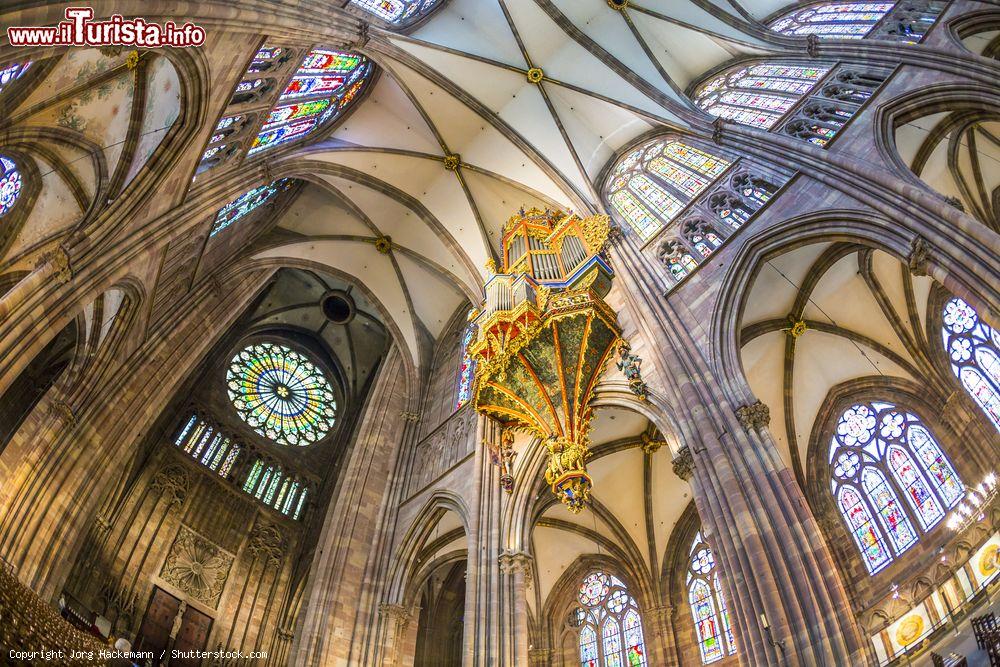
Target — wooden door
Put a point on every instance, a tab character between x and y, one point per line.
193	635
154	633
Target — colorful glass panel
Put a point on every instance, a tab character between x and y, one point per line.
727	627
331	80
705	621
707	602
870	438
610	614
588	647
397	12
844	20
739	96
654	182
892	517
681	265
924	504
612	636
12	72
867	535
467	369
281	394
245	204
972	346
10	184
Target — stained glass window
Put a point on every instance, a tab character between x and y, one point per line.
467	369
841	20
276	488
708	604
878	454
758	95
397	12
10	184
681	265
281	394
323	87
207	445
653	183
607	612
247	203
12	72
974	349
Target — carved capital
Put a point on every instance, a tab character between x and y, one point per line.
58	261
539	657
172	483
410	416
267	543
512	562
661	615
812	45
956	202
755	416
718	127
920	252
615	233
364	36
63	411
397	613
684	464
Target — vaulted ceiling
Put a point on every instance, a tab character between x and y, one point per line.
454	138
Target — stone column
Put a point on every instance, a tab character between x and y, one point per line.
397	619
515	567
659	635
788	603
338	621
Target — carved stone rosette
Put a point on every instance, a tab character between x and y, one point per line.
683	464
197	567
755	416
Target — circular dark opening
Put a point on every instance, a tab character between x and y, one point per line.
338	307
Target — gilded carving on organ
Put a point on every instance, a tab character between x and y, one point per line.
197	567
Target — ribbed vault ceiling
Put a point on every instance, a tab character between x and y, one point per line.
458	86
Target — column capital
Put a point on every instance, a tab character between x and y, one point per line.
512	561
397	613
920	251
539	657
684	464
755	416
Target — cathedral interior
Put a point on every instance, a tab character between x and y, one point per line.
516	333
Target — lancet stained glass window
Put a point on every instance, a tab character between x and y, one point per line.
610	627
323	87
840	20
281	394
758	95
275	488
467	369
974	350
10	185
247	203
397	12
878	455
654	182
208	445
708	604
